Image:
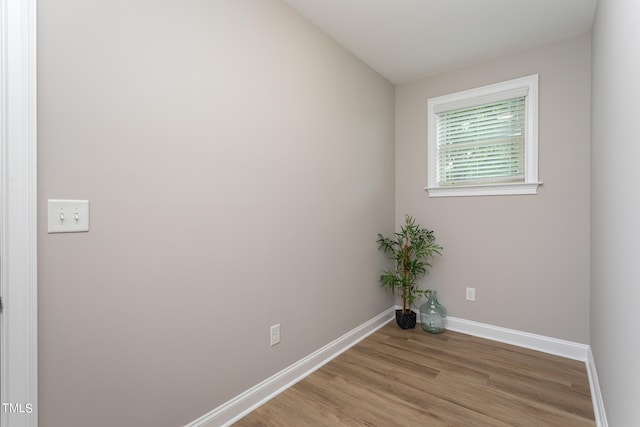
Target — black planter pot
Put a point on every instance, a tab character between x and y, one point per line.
406	321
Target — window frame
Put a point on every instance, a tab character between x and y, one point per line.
475	97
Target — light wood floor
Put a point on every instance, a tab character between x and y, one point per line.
411	378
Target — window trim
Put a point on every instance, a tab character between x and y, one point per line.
479	96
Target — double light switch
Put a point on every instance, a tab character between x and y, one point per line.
68	216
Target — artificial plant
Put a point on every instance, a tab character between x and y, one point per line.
410	249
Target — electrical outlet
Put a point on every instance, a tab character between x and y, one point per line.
275	334
471	294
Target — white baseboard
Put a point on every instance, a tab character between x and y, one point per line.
236	408
596	394
568	349
231	411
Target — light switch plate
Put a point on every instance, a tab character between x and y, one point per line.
68	216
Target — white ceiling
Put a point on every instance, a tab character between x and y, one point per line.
407	39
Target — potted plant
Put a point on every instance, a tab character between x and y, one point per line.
410	250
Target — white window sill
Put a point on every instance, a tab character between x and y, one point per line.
485	190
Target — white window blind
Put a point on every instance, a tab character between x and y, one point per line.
482	144
484	141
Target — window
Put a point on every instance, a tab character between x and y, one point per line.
484	141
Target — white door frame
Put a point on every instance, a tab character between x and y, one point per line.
18	231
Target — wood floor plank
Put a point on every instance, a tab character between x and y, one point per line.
401	377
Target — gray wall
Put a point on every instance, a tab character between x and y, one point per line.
239	164
527	256
615	208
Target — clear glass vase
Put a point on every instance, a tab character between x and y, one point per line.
433	314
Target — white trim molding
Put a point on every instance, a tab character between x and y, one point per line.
18	194
485	190
568	349
524	86
596	394
236	408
